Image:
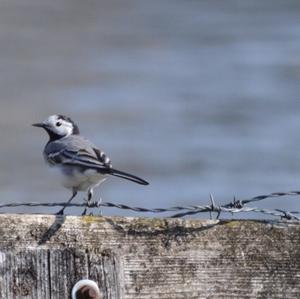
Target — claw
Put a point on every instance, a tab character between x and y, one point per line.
99	205
60	212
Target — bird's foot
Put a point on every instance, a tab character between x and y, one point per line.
60	212
89	204
84	212
86	201
98	204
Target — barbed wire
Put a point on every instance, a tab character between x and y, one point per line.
235	206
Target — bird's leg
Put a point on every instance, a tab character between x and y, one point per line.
90	195
61	212
99	203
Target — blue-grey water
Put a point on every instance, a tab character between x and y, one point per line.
197	97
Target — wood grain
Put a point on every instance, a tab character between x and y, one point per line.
43	256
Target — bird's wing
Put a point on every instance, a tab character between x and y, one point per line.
76	151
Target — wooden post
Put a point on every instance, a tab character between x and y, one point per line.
43	256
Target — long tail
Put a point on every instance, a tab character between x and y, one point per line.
128	176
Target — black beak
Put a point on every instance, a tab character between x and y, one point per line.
39	125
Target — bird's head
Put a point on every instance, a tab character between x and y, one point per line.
58	126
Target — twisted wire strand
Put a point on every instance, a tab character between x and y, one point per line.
235	206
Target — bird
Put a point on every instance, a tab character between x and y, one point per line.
83	165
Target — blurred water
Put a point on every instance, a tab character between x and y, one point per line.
197	97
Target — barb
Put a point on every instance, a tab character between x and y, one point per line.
235	206
271	195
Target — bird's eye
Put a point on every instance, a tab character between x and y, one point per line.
58	124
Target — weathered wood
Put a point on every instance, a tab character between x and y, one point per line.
44	256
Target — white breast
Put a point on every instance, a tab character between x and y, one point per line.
75	177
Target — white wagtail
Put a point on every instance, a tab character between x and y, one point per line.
82	164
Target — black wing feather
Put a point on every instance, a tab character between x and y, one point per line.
72	153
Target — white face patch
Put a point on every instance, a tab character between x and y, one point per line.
59	126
